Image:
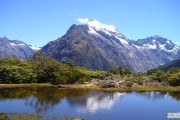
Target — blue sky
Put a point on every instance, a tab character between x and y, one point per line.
37	22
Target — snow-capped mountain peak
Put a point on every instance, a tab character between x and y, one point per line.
157	43
96	27
100	26
96	24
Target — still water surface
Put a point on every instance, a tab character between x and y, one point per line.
90	105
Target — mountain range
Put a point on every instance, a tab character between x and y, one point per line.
99	46
15	48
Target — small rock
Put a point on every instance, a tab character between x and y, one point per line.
164	83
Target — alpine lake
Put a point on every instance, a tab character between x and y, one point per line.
54	103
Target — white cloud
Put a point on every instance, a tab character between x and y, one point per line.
74	13
83	20
96	24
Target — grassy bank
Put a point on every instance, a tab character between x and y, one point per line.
91	86
26	85
122	89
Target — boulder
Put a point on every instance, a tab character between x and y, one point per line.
109	78
147	81
107	84
129	83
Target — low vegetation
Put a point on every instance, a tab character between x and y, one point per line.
14	116
172	76
26	116
43	69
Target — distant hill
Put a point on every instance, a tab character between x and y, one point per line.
174	63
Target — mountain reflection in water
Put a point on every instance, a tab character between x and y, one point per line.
43	99
40	99
94	101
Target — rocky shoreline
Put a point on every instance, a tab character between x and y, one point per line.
110	82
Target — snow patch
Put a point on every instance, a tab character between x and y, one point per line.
12	44
154	41
35	48
162	46
92	31
174	50
168	42
146	46
16	44
123	41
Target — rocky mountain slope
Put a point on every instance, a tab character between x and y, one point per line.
175	63
14	48
98	46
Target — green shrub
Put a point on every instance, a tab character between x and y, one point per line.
15	71
174	79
